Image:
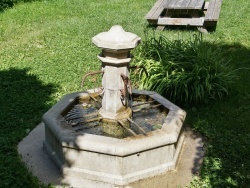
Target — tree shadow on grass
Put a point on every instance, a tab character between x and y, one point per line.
23	100
226	125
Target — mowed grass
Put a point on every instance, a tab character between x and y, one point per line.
46	48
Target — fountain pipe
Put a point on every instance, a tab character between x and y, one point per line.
90	74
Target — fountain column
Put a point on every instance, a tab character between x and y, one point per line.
115	57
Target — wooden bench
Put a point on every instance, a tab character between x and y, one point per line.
212	13
163	13
182	12
155	12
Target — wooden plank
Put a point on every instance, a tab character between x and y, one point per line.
155	11
199	4
182	11
178	4
210	9
184	4
213	10
193	4
217	9
170	4
206	5
181	21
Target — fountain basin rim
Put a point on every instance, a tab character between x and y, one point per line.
167	135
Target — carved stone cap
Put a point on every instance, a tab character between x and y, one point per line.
116	38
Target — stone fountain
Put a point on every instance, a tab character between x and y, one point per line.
113	135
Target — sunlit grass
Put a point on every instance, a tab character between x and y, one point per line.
45	48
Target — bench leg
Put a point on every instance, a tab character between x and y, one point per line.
211	25
160	27
202	30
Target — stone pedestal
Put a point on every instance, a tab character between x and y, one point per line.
115	57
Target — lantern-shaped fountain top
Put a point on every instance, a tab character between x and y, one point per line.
116	45
115	57
117	39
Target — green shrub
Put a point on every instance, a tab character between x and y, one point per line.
4	4
187	71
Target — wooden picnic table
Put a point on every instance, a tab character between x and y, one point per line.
185	12
184	4
191	7
182	12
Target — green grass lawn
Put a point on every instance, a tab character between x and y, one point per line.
46	48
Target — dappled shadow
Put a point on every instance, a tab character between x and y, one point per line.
237	54
219	149
237	58
23	100
226	125
199	143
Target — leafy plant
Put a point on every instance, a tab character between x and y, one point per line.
184	70
4	4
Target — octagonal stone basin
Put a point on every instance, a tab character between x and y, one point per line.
98	160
